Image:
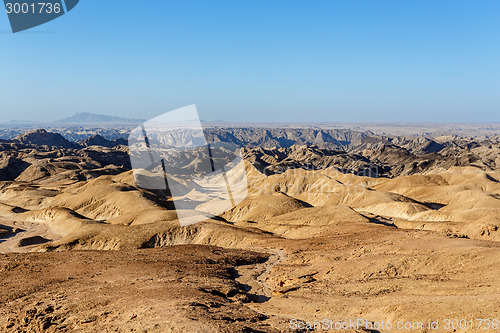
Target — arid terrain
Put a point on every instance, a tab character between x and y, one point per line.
338	224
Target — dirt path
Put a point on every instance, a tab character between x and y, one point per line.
253	277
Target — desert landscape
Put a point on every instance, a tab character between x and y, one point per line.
250	166
340	223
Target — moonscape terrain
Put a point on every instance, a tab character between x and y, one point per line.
338	224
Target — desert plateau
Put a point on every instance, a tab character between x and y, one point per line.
339	224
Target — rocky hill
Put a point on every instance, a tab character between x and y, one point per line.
41	137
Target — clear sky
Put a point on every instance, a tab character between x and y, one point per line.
283	61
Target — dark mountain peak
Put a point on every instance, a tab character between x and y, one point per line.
39	131
42	137
98	140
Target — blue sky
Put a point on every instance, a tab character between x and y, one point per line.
282	61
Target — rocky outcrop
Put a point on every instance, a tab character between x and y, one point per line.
97	140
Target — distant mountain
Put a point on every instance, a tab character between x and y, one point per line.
92	118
